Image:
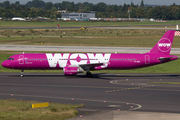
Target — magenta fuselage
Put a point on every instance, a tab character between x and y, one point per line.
60	60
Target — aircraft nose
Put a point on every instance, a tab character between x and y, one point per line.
5	64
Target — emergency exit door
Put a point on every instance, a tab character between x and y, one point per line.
147	59
21	59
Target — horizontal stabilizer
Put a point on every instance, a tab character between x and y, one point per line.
165	59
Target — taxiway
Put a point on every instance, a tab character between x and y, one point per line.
126	92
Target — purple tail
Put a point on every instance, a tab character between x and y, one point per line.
164	44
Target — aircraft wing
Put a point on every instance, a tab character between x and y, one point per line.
90	65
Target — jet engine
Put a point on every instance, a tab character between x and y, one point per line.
72	70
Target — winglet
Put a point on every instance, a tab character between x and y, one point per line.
164	44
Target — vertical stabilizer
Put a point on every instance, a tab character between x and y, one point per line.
164	44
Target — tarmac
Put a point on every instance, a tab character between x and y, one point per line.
106	96
128	115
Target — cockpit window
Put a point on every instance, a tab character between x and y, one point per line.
10	58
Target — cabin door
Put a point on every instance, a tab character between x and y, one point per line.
21	59
147	59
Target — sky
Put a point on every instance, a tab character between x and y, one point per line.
118	2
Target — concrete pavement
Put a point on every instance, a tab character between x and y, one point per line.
128	115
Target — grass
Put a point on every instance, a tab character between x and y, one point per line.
12	109
170	67
91	37
170	83
81	23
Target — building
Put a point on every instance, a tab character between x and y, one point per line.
78	16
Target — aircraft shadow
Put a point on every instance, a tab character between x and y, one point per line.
98	75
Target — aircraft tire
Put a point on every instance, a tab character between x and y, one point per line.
88	74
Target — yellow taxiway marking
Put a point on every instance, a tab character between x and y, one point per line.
149	87
163	90
131	88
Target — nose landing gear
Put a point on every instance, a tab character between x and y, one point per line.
22	74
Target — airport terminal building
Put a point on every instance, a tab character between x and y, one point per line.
79	16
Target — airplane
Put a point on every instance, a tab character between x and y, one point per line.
74	63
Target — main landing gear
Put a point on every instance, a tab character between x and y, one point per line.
88	74
22	74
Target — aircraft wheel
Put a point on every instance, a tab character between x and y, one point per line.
22	73
88	74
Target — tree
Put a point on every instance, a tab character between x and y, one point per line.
53	9
13	6
35	8
8	14
87	9
1	5
139	12
36	4
132	4
72	7
48	5
142	4
125	7
90	6
174	10
165	13
81	7
133	12
6	3
65	5
17	3
53	16
58	15
57	5
100	7
156	12
85	3
174	4
177	15
112	8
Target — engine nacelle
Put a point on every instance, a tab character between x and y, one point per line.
71	70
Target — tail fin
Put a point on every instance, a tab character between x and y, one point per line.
164	44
